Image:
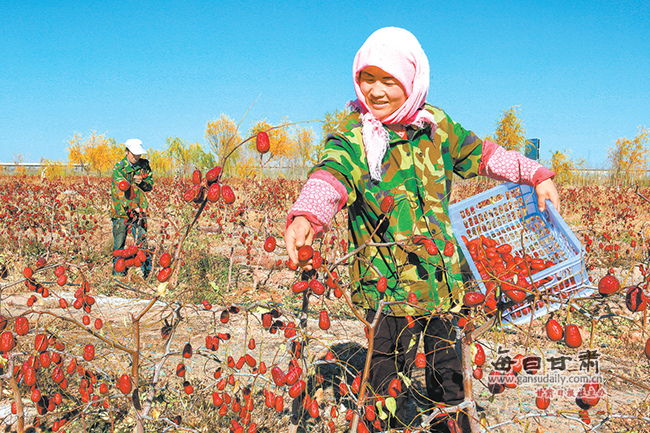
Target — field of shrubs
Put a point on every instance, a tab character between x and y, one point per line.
227	335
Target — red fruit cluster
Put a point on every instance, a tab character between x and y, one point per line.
35	286
83	300
60	274
165	262
41	212
503	273
430	245
572	336
314	286
47	354
211	191
129	257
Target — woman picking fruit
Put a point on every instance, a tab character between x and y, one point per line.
132	177
391	164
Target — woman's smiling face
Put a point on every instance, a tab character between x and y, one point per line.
384	93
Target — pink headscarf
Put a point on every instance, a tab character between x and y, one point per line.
397	52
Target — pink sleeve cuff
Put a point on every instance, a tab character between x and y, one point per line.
320	199
510	165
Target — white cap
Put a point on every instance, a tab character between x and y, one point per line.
135	146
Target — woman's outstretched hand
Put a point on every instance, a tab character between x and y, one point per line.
298	234
546	190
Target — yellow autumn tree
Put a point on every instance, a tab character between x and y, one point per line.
510	132
331	124
18	162
177	150
161	163
308	152
333	121
51	168
76	152
247	168
628	158
95	152
223	137
566	170
186	157
283	144
106	155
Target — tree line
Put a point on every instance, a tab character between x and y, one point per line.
295	148
627	159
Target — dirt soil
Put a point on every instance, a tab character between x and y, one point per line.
625	377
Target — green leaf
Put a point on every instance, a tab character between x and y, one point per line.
162	288
409	310
406	380
380	411
413	342
391	405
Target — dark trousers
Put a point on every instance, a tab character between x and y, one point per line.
136	228
394	351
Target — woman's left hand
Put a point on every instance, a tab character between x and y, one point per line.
546	190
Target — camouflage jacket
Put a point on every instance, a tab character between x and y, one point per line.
122	201
417	173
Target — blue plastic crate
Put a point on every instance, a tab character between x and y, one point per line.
508	213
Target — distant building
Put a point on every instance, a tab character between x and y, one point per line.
30	167
10	167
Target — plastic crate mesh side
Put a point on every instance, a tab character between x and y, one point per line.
496	223
560	242
544	241
569	240
565	283
508	214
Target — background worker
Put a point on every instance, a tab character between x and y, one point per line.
128	212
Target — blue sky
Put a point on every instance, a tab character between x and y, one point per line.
579	71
